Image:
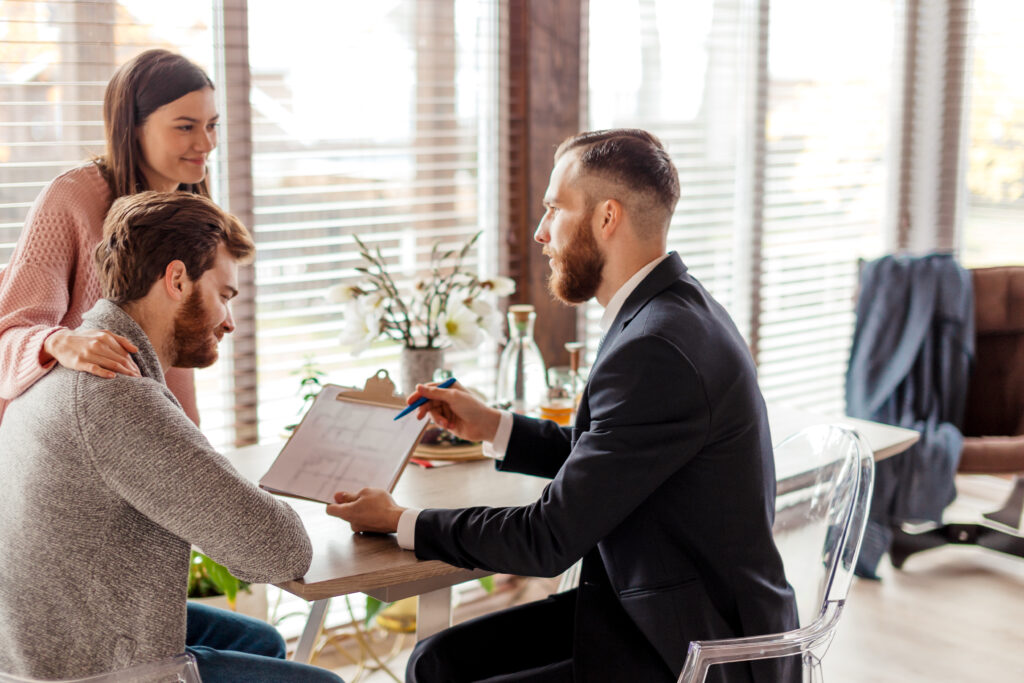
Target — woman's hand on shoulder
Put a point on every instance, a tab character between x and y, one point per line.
98	352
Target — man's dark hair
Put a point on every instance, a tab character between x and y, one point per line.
633	159
144	232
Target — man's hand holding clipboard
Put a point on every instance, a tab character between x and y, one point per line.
348	440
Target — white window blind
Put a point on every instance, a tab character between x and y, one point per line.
779	196
376	120
55	61
994	208
686	72
379	119
831	98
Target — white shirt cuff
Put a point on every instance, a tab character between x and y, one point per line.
496	448
407	528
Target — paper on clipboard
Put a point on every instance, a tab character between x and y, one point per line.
348	440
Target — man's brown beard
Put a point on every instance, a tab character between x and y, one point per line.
580	263
192	337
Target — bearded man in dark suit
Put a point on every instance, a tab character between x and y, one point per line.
665	485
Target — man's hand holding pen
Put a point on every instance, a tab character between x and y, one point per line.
459	411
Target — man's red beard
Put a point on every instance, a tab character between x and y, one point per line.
576	268
195	342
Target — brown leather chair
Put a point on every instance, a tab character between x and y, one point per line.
994	416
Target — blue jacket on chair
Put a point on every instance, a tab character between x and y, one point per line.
909	366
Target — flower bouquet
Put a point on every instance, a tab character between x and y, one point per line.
450	306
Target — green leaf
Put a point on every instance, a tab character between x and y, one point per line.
208	578
221	578
487	582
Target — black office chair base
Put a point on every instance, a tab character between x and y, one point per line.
1010	513
905	544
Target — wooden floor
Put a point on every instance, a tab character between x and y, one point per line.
951	614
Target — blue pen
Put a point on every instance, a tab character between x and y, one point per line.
423	399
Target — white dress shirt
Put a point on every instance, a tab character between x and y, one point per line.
499	444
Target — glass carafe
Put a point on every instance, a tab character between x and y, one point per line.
522	378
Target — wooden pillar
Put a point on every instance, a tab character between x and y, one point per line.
544	100
233	77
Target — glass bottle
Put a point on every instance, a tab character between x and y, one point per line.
575	350
522	378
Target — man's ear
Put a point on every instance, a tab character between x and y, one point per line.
608	217
176	282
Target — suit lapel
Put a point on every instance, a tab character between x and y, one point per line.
658	280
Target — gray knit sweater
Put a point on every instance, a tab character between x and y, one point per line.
105	484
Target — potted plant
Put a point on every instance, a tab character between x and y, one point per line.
447	308
213	584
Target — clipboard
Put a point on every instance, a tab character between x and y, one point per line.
347	440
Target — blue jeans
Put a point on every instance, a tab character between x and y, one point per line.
229	647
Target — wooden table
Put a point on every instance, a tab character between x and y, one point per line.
345	563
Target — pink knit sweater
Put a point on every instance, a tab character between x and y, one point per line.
51	281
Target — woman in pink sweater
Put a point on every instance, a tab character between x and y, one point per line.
160	121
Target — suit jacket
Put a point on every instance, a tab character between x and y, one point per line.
913	347
666	487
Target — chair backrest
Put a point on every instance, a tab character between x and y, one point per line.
995	403
818	529
178	669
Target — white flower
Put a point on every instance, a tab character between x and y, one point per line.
500	285
362	327
460	327
373	301
342	294
488	317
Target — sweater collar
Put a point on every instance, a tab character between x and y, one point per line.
106	315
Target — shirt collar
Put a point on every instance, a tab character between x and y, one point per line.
620	296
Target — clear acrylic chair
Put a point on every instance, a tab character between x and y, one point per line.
818	528
178	669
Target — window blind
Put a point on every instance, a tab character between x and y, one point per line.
994	196
380	121
686	72
829	162
55	61
780	196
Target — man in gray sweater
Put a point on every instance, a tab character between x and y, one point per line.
107	483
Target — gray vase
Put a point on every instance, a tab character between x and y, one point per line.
418	366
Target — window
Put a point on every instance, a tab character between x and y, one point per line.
378	119
828	156
686	72
379	123
56	60
781	192
994	210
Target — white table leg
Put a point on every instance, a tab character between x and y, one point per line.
434	612
307	641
